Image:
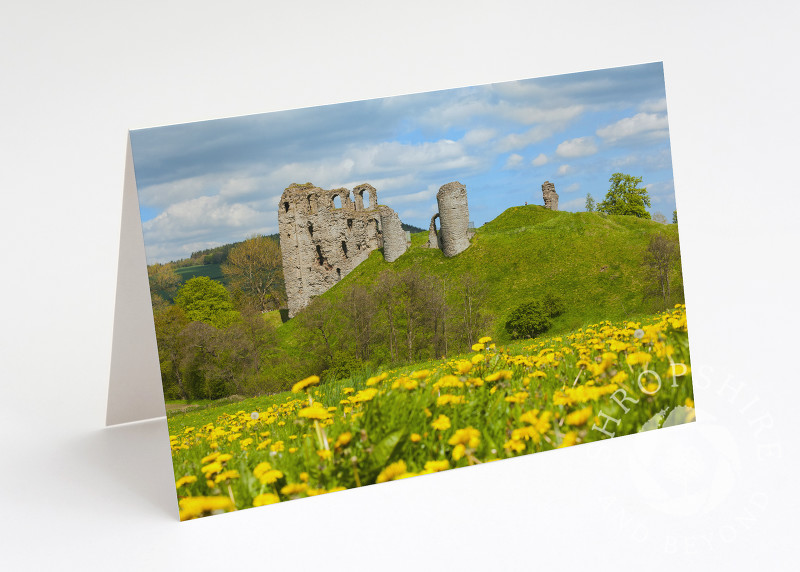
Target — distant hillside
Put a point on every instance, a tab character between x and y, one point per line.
593	261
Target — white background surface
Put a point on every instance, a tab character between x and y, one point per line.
720	494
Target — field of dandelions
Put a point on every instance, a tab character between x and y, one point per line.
601	381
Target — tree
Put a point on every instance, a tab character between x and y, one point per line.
474	317
205	300
164	283
625	197
254	268
659	258
660	218
590	204
675	217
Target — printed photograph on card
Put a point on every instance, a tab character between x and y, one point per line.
363	292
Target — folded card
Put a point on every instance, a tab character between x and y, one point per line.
345	295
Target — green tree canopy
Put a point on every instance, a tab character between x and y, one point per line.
205	300
625	197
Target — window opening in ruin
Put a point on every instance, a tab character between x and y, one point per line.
365	199
286	207
337	202
344	248
310	229
349	224
339	273
319	255
311	204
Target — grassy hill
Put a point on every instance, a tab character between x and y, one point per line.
213	271
593	261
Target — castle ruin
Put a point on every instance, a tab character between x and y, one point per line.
550	196
324	235
454	234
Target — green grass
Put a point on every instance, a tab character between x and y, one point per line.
213	271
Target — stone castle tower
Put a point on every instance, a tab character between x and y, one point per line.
453	215
322	242
550	196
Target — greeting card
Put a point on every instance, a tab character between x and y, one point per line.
332	297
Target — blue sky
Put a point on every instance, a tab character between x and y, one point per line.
214	182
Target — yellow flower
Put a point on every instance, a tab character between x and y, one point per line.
211	469
294	489
578	418
469	436
421	374
260	469
343	439
448	399
569	439
436	466
348	390
364	395
187	480
478	347
477	358
689	402
442	423
415	437
324	454
307	382
226	476
459	451
244	443
518	397
448	381
209	458
463	367
514	445
277	447
193	507
638	358
265	499
315	411
391	472
502	374
485	340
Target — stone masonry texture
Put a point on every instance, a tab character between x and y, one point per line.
550	196
322	242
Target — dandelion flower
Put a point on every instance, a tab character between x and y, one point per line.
193	507
303	384
265	499
485	340
442	423
392	471
187	480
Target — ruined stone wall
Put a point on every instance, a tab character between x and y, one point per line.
394	237
433	235
322	243
454	218
550	196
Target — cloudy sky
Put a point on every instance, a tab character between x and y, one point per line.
214	182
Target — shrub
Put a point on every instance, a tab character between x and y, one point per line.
533	318
528	320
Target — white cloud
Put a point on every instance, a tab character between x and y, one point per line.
649	125
540	160
578	147
564	170
189	225
478	136
654	105
573	187
515	141
513	160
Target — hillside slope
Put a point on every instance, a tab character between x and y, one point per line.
593	261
